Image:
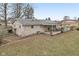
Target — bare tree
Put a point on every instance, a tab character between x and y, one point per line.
3	12
49	18
28	11
46	19
21	10
16	10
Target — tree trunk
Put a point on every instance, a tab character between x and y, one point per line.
5	13
0	40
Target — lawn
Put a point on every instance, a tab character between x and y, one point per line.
63	44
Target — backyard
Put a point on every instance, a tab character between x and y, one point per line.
28	30
62	44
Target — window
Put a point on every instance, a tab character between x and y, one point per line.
32	26
48	29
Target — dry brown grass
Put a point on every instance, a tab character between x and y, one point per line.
63	44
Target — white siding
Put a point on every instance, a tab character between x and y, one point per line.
28	30
17	26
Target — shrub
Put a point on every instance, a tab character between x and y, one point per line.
62	30
77	29
73	28
10	31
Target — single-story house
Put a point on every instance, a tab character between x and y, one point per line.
25	27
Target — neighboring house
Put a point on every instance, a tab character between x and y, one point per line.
25	27
69	23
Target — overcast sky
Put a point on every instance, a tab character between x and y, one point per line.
56	10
